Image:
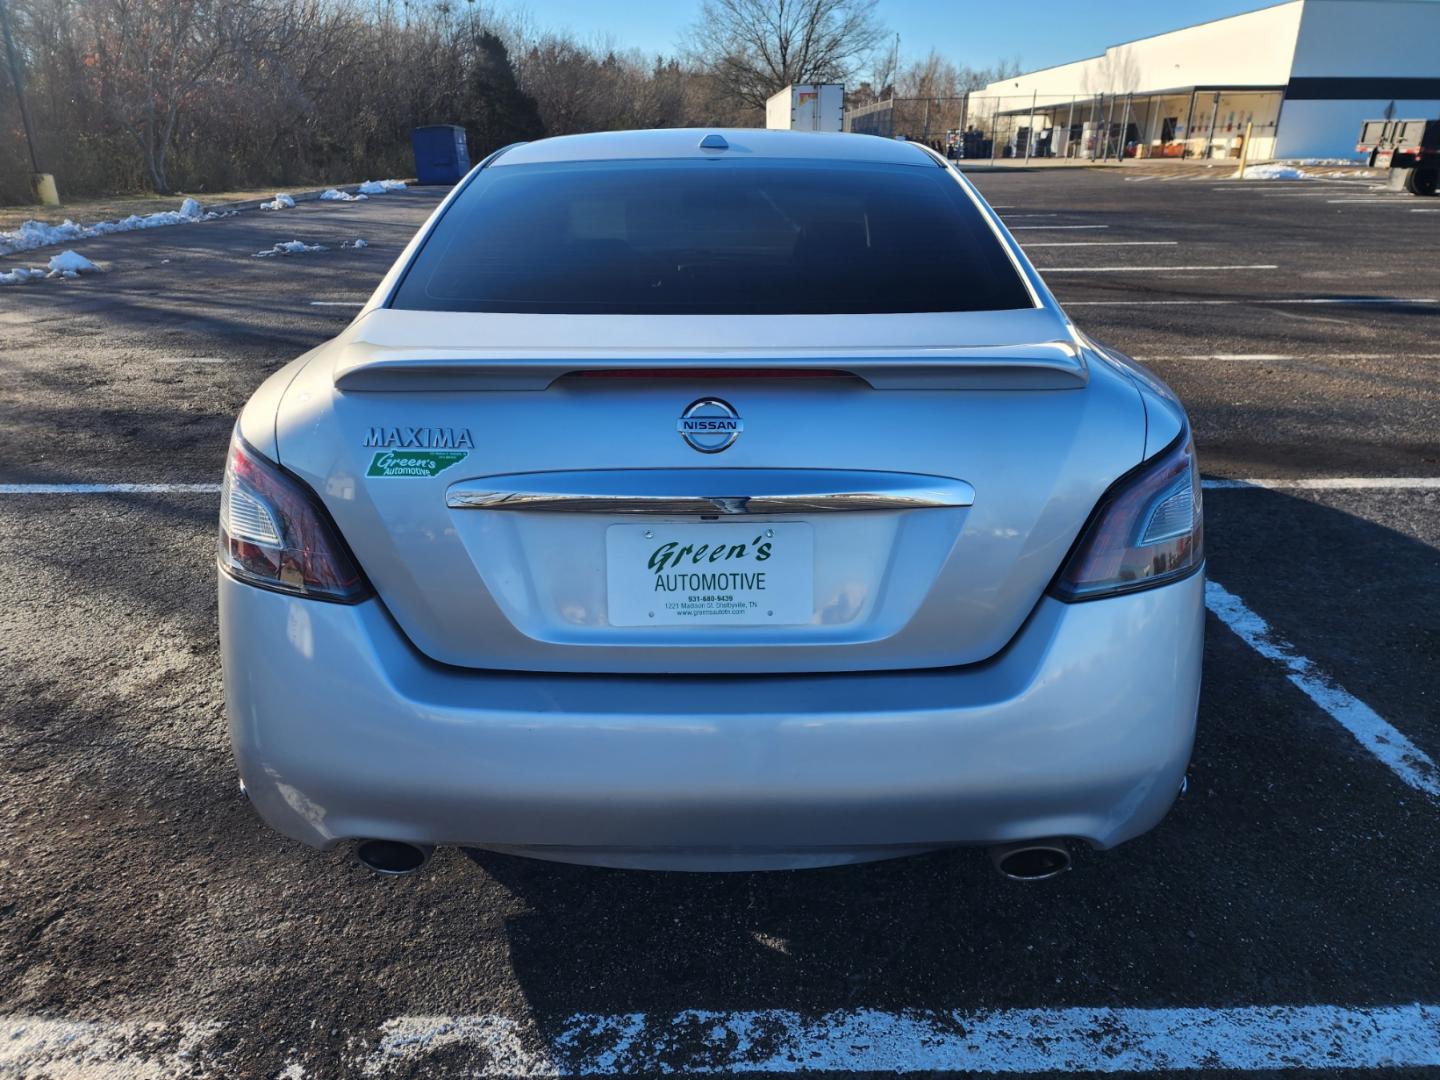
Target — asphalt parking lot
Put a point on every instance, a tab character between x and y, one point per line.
1284	916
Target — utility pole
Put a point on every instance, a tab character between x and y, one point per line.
42	183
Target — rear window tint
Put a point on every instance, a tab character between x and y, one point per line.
712	236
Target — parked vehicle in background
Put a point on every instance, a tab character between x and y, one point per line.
811	107
1410	149
712	500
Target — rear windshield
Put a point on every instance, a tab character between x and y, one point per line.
712	236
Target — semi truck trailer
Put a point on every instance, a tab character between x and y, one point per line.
807	107
1410	149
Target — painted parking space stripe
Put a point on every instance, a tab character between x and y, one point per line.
1277	357
196	359
715	1043
1327	483
1146	269
99	1049
1382	301
1019	228
1103	243
337	303
1219	356
109	489
1406	760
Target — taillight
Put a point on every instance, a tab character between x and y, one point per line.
275	534
1147	531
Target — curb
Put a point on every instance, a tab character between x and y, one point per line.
980	165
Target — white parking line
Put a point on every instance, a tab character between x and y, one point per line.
108	489
1393	200
1218	356
1145	269
1386	743
1017	217
1334	357
998	1041
1328	483
194	359
1104	243
1019	228
712	1043
337	303
99	1049
1372	300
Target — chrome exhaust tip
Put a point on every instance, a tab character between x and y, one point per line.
1031	860
394	858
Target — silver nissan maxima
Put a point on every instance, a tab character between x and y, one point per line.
712	500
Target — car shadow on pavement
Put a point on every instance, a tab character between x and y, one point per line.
1286	875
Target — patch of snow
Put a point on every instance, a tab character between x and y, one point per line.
1273	172
380	187
280	202
71	262
20	275
356	243
288	247
1326	161
336	195
38	234
67	264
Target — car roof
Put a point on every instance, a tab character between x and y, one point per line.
679	143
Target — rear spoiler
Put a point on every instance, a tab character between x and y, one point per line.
1051	365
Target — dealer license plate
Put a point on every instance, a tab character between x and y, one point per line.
727	574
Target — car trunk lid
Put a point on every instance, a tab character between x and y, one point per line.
522	493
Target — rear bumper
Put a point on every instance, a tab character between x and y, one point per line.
1081	728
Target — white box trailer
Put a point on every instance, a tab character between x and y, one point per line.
808	107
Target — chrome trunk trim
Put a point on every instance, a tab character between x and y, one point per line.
710	492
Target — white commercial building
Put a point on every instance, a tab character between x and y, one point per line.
1303	74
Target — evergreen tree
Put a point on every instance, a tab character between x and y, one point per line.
496	111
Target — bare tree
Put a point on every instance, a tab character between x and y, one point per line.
887	66
152	56
753	48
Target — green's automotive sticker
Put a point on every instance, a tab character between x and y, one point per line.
414	463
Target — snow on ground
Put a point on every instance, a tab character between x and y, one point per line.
71	263
288	247
356	243
36	234
1274	172
20	275
68	264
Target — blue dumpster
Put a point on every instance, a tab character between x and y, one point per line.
440	153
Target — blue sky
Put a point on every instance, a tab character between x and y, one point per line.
974	32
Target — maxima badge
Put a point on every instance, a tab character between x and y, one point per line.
709	425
